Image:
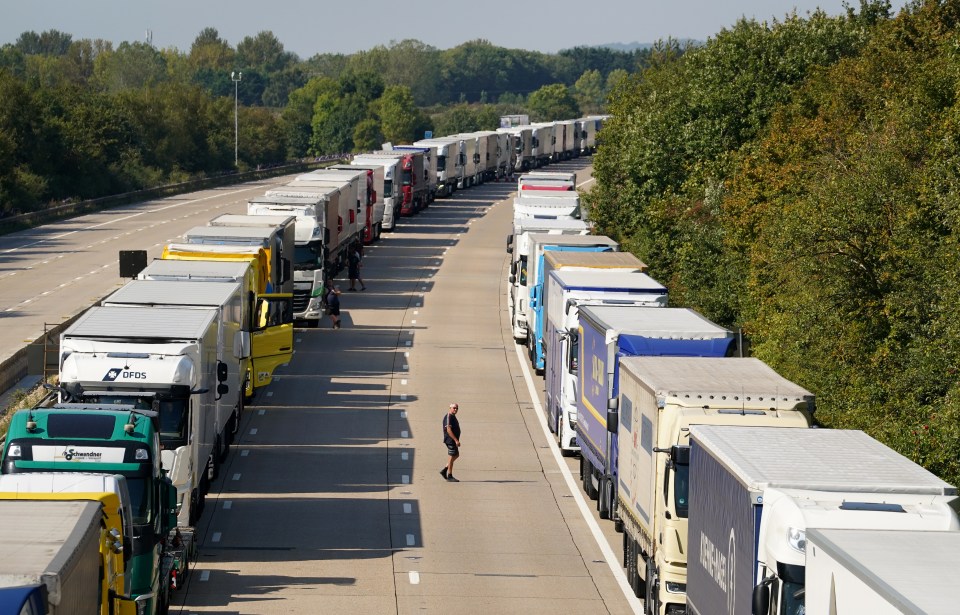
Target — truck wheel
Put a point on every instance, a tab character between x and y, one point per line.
650	606
603	496
213	462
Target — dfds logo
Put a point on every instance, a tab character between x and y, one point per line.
116	372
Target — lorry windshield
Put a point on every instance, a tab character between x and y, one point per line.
140	500
406	177
387	188
523	271
307	257
173	422
793	580
441	163
574	352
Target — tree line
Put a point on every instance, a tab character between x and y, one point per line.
84	118
800	180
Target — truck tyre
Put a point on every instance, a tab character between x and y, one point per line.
603	506
650	606
213	462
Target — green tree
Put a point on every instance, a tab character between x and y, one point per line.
367	135
131	66
400	119
552	102
588	91
297	116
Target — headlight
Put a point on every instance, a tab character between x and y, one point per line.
676	588
14	451
797	539
142	454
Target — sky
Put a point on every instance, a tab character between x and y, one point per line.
325	26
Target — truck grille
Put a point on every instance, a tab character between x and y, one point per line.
301	298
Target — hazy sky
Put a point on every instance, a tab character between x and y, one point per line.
324	26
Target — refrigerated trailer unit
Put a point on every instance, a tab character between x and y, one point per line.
391	194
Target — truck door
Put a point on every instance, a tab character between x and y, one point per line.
272	336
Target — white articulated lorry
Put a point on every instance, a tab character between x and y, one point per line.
233	341
518	246
390	193
283	239
447	160
371	219
318	254
523	154
169	354
754	494
351	207
882	572
661	400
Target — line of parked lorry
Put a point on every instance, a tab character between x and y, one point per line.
113	473
728	500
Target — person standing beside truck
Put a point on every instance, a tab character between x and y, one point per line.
353	265
451	437
333	306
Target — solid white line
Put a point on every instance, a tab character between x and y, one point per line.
611	558
582	184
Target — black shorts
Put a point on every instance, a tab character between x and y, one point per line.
333	311
452	449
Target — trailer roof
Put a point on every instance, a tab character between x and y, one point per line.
174	292
815	459
283	199
703	380
241	232
200	269
608	280
595	260
572	240
533	225
32	546
915	571
656	322
254	221
142	322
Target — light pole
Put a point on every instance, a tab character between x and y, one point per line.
236	77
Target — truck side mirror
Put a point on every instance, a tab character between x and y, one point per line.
512	279
761	599
221	371
680	454
613	414
168	507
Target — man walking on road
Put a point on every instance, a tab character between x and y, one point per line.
451	437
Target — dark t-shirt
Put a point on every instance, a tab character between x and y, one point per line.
451	420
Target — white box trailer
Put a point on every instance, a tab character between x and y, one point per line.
856	571
586	135
234	351
170	353
335	240
391	193
568	148
470	148
543	139
372	217
350	209
523	156
449	167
